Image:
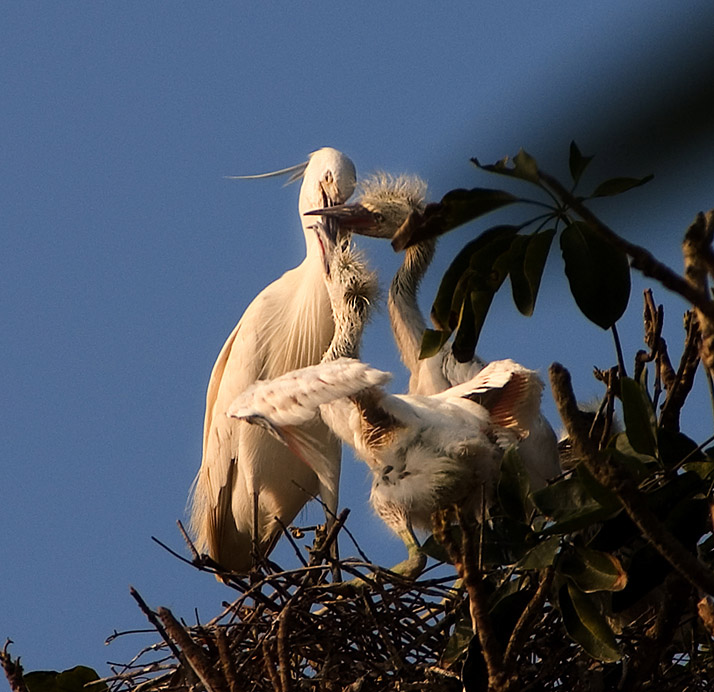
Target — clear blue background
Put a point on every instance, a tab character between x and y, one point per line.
127	257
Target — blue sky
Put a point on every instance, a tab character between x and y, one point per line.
127	258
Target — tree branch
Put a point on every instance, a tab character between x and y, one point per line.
521	629
697	251
642	259
13	670
193	653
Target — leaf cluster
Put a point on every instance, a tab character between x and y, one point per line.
598	273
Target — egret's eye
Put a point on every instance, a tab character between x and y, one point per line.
328	177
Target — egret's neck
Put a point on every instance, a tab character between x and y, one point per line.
407	321
352	288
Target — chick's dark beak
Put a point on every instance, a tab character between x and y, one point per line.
351	217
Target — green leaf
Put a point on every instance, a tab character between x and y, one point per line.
70	680
586	625
674	447
527	262
542	555
598	274
431	342
441	311
577	162
434	549
570	503
505	541
513	485
459	641
469	327
564	499
615	186
524	167
593	570
640	423
456	208
704	469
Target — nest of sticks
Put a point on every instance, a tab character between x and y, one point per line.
305	629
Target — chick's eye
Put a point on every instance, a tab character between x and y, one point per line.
328	177
379	218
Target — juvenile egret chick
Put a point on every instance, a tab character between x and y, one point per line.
385	203
248	478
425	452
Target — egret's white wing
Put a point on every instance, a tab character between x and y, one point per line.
294	398
510	392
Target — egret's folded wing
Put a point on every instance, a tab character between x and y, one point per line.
294	398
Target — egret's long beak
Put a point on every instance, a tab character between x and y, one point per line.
351	217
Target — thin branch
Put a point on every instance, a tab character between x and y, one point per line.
151	617
192	548
269	666
283	658
618	350
521	629
465	559
608	473
224	654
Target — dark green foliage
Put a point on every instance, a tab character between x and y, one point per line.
75	679
598	273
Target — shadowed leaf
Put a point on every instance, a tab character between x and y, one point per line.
542	555
593	570
441	311
586	625
456	208
577	162
572	505
469	327
615	186
640	423
527	262
431	342
598	274
513	485
523	166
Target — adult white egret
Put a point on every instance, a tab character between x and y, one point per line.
248	482
385	203
425	452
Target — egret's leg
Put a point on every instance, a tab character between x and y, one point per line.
413	566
